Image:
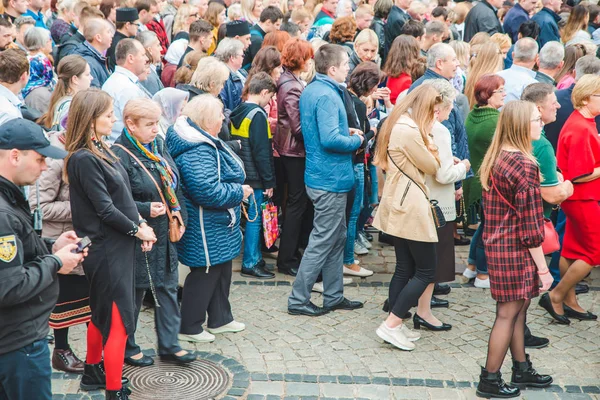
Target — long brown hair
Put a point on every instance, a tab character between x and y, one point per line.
266	60
68	67
486	58
85	109
578	21
419	105
514	130
573	52
405	56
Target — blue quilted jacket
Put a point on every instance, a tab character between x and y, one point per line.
211	179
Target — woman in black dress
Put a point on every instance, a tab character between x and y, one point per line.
150	167
104	210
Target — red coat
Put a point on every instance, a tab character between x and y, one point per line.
158	27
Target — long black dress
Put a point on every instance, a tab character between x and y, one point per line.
103	209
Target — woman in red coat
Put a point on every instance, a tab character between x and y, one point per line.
512	238
578	157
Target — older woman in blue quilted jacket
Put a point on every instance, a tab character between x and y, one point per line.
212	178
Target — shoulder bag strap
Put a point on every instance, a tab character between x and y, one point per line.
403	173
500	194
151	178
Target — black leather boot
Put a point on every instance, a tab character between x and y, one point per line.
121	394
94	377
524	375
491	385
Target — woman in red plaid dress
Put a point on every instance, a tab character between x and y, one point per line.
512	237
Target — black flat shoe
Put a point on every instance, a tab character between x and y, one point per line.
535	342
290	271
462	241
346	304
145	361
259	271
546	304
587	316
581	288
310	310
441	289
184	359
418	322
439	303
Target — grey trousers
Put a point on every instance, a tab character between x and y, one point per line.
325	251
166	320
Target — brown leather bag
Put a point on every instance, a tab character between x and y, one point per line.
175	219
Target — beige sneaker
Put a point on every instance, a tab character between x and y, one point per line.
203	337
362	272
411	335
395	336
233	327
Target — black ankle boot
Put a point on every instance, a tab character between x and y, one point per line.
94	377
524	375
121	394
491	385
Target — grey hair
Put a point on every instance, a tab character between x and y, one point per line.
551	55
435	28
203	110
36	38
146	38
444	88
66	5
210	73
587	65
22	20
439	51
525	50
228	48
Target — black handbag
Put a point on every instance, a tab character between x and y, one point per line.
436	211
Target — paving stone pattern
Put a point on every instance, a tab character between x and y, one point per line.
339	356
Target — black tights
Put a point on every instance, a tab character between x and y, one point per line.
508	331
61	338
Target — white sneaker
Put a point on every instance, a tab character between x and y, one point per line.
482	283
411	335
395	336
362	238
362	272
318	287
469	274
360	249
203	337
233	326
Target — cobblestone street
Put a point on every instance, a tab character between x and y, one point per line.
340	356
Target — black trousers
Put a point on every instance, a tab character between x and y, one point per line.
206	291
299	214
415	269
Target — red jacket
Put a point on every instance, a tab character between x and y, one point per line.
158	27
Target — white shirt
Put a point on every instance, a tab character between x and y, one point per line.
122	86
516	78
10	105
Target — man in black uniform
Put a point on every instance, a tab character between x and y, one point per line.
28	283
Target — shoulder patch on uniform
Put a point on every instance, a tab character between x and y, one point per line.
8	248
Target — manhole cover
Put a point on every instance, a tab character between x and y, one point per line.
198	380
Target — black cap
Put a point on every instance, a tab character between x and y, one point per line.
22	134
127	14
237	28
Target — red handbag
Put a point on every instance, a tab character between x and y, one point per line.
550	243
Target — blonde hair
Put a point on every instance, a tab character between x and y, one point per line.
479	38
366	36
183	13
210	74
136	109
485	59
419	106
234	12
247	9
502	40
462	50
514	130
362	10
585	87
203	109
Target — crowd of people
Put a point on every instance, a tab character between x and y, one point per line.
164	132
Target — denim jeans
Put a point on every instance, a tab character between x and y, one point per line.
359	190
561	222
369	200
477	251
252	241
25	373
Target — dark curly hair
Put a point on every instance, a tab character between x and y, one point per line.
365	77
343	30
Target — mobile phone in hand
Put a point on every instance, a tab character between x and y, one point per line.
83	244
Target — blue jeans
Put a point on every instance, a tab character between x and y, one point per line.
25	373
359	191
477	251
252	253
561	222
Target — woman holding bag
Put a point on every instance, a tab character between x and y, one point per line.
150	168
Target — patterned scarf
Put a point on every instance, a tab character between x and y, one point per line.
41	74
167	177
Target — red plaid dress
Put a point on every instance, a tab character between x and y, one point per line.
509	233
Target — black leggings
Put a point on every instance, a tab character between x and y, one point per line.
415	269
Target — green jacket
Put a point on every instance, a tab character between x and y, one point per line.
480	125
